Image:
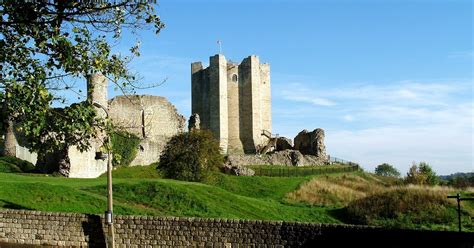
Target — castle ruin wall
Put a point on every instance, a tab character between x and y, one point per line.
151	118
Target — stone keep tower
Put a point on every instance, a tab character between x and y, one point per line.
233	101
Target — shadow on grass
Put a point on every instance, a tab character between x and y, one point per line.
11	205
342	215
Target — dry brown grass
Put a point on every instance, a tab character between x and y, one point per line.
342	189
408	206
337	191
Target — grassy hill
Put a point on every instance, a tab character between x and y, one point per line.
140	190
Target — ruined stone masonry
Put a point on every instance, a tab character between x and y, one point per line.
194	122
233	101
152	118
311	143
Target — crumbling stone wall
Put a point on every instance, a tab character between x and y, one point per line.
152	118
194	122
286	157
311	143
85	230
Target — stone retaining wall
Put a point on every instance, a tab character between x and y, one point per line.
23	228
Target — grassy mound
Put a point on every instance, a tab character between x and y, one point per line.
178	198
148	171
138	191
407	207
228	197
338	190
12	164
260	187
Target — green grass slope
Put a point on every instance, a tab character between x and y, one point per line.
332	198
227	197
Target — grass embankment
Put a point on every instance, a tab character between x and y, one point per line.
339	190
357	198
227	197
368	199
410	207
15	165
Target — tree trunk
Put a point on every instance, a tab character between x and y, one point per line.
10	140
64	163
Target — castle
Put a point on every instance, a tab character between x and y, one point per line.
234	102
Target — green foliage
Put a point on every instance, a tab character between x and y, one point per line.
421	174
8	167
386	170
12	164
124	146
405	208
458	180
462	182
191	156
45	46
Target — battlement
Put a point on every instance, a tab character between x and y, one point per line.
233	101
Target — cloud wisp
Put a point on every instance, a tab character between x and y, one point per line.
397	123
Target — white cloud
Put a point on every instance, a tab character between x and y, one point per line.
313	100
448	150
396	123
297	93
348	118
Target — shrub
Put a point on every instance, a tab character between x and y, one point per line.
6	167
386	170
12	164
462	182
191	156
124	146
421	174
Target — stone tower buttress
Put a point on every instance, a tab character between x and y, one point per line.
218	99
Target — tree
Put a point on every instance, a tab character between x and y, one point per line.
191	156
421	174
431	177
386	170
45	46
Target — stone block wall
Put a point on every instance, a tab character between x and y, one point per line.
233	101
151	118
23	228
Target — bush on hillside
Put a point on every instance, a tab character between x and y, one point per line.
191	156
403	207
461	182
421	174
12	164
6	167
125	147
386	170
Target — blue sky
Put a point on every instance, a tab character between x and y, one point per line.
389	81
